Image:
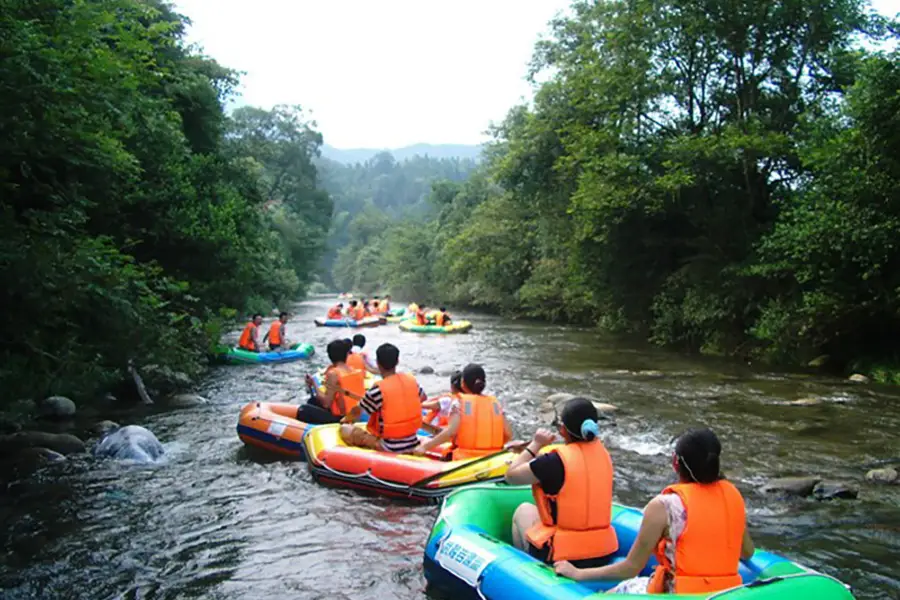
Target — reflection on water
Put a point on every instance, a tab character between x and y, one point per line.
217	521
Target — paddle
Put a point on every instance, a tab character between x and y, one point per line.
425	481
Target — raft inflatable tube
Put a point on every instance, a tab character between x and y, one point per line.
416	478
469	555
349	323
454	327
240	356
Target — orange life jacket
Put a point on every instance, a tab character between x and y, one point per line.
246	341
352	381
375	306
334	313
355	360
401	408
358	313
385	306
441	319
481	426
275	333
708	551
583	506
420	317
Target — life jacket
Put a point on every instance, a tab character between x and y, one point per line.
385	306
275	333
334	313
358	313
481	426
356	360
246	341
708	551
420	317
401	408
376	306
440	319
583	506
350	380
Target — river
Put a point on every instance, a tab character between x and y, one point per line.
213	521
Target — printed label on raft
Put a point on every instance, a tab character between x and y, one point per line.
276	428
463	558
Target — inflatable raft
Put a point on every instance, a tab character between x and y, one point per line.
468	555
239	356
455	327
416	478
367	322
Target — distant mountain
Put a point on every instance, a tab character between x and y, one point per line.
354	155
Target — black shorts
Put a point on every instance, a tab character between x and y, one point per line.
274	347
543	555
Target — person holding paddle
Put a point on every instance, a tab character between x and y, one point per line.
394	405
343	387
570	519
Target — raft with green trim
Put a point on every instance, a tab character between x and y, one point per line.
469	555
240	356
454	327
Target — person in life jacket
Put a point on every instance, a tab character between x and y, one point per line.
386	305
697	529
276	334
394	405
336	311
356	311
421	318
438	408
572	487
442	318
375	306
367	308
250	335
358	358
476	425
344	386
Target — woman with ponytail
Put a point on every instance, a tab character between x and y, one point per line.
572	486
476	424
699	559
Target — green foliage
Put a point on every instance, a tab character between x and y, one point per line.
131	215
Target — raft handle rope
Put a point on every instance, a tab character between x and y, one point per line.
776	579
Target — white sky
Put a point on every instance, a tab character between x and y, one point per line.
383	73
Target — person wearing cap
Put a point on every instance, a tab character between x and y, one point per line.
570	519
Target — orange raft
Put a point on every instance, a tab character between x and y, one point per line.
273	427
417	478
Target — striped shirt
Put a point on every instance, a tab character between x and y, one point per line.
372	402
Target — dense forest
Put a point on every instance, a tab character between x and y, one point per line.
718	177
137	218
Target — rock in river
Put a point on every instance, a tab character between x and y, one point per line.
857	378
884	475
555	402
56	407
62	443
831	490
185	401
426	370
791	486
130	443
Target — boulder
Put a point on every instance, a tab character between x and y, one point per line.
555	403
883	475
791	486
62	443
39	455
832	490
811	401
102	428
185	400
426	370
165	379
857	378
56	407
819	361
130	443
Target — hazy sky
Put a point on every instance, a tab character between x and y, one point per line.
379	73
382	73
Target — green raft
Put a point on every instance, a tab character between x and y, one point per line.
239	356
468	555
454	327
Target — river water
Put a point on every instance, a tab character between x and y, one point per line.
214	521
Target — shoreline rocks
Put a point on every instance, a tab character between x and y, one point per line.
56	408
62	443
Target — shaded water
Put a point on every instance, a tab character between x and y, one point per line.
214	521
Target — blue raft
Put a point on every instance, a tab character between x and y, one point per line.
349	323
